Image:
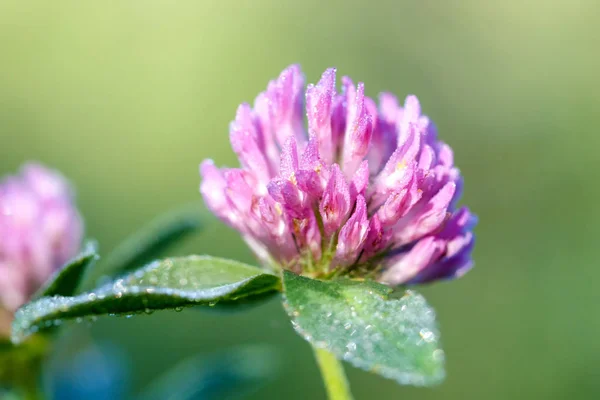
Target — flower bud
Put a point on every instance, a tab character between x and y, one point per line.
40	230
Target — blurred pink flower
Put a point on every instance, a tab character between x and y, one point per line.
40	230
366	190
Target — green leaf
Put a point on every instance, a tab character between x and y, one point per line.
361	323
65	281
166	284
152	240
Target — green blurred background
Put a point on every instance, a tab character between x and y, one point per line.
127	97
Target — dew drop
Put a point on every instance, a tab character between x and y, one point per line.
438	354
427	335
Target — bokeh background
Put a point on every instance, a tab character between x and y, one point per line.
127	97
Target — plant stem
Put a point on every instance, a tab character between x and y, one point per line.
333	375
20	368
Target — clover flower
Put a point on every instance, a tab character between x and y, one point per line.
366	190
40	229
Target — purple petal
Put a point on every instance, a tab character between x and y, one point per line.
377	239
335	204
319	101
398	205
307	234
245	143
353	234
359	182
359	128
428	218
459	242
427	158
390	110
410	116
240	189
446	155
287	193
314	173
289	159
401	164
338	125
264	125
421	256
383	139
285	95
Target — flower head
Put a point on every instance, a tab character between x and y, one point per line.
363	190
40	229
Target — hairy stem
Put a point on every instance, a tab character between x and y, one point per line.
333	375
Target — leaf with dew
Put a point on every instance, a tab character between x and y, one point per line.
362	323
172	283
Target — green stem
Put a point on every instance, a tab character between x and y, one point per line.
20	368
333	375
